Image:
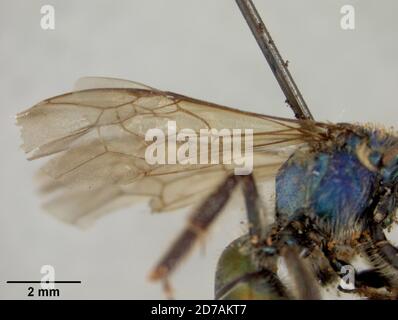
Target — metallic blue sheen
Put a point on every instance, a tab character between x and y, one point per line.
334	186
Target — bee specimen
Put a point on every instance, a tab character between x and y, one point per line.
336	184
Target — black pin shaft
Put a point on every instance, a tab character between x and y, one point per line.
274	59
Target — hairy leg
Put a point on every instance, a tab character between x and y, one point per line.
384	257
197	225
384	248
204	216
247	270
369	283
254	209
239	274
245	260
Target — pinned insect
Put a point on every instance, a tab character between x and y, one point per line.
336	184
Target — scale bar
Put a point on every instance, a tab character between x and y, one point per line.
12	281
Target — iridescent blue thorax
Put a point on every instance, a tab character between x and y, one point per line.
335	183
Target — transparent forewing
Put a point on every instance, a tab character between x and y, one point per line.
97	137
86	83
166	192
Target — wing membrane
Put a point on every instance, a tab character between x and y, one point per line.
86	83
97	137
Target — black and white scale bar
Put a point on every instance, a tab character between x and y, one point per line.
12	281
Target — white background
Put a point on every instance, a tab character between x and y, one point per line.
198	48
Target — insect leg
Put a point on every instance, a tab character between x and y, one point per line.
298	243
302	274
384	256
386	250
297	258
371	278
239	275
247	270
197	225
367	282
328	267
305	280
254	209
